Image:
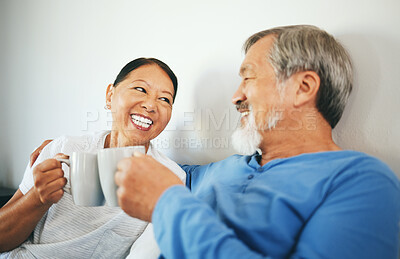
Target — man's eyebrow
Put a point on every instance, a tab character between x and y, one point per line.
244	69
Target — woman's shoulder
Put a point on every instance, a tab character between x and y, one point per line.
89	142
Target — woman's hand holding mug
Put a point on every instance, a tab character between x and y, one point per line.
49	181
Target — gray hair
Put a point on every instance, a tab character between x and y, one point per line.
307	48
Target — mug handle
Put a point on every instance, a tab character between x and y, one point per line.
68	163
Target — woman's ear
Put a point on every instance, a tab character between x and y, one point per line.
109	94
308	83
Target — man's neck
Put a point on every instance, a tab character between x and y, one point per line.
283	144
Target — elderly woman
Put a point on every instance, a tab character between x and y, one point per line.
41	221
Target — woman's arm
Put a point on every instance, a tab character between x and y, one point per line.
21	214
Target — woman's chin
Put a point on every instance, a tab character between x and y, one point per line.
133	136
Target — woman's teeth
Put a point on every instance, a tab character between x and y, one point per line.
141	121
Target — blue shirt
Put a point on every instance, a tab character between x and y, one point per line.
341	204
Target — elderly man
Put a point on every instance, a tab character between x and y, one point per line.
300	195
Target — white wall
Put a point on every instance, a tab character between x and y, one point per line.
57	57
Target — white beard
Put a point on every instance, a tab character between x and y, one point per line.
272	119
246	139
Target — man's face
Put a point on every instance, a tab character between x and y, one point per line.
259	91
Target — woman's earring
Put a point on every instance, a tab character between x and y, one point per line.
107	107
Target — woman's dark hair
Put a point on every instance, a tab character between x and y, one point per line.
134	64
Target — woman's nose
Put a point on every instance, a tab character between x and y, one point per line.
238	96
149	105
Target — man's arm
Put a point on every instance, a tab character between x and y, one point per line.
189	169
185	227
358	218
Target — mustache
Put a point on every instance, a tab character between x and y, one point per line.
242	106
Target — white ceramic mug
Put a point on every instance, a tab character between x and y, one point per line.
108	159
84	179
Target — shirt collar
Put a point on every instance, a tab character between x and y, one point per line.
253	162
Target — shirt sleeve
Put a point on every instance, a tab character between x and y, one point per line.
186	227
27	180
189	169
48	151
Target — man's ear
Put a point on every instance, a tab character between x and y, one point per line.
307	86
109	94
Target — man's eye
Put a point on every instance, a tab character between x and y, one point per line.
165	100
141	89
248	80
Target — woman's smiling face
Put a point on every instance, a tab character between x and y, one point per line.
141	105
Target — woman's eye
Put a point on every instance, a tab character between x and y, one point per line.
141	89
165	100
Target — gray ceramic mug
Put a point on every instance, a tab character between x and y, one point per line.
108	159
84	179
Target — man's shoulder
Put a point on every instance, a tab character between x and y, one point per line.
363	163
229	161
355	166
344	158
232	159
360	162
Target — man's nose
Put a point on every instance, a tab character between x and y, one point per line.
238	96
